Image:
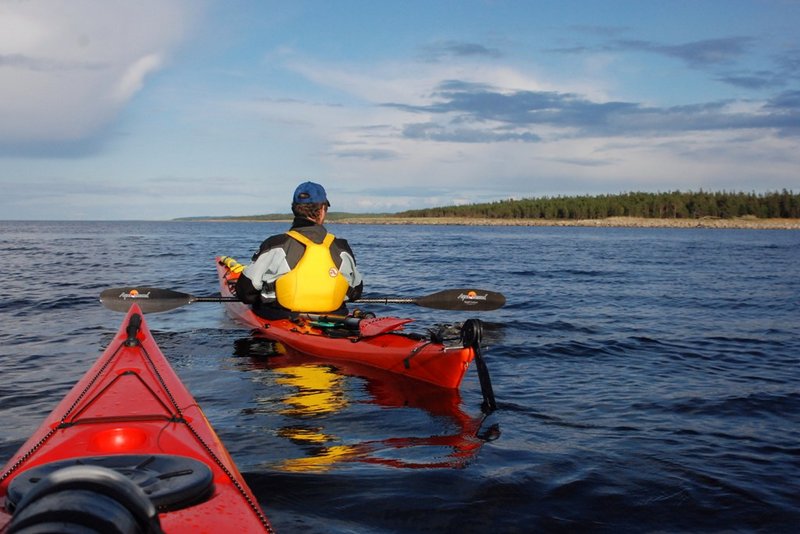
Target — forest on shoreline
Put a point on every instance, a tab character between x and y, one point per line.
674	205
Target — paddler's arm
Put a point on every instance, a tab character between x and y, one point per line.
256	283
245	290
349	270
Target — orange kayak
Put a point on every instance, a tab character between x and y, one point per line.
128	449
376	342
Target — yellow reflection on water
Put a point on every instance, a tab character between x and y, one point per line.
319	390
322	460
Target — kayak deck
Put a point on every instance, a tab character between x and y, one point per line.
376	342
131	411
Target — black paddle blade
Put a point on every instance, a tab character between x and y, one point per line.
149	299
463	300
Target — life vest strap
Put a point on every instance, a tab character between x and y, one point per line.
297	236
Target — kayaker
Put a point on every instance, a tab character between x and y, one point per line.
304	270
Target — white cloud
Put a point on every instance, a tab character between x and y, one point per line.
19	32
68	67
408	82
132	78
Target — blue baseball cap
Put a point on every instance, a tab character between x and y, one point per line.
310	193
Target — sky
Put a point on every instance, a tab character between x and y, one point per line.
158	109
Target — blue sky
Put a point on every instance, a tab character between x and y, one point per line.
158	109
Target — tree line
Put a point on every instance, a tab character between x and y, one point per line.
673	205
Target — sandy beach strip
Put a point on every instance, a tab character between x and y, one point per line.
619	222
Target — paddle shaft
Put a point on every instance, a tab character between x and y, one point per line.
386	300
213	298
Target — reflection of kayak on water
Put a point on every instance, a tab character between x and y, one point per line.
316	389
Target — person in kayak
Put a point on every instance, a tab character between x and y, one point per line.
306	269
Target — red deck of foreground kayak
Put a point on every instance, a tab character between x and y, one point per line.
132	403
410	356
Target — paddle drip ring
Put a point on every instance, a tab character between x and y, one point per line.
472	333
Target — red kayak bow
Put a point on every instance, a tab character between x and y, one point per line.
127	450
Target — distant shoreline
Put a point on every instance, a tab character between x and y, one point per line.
610	222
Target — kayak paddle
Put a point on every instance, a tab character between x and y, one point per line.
449	299
154	300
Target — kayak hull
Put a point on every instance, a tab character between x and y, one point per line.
394	351
131	405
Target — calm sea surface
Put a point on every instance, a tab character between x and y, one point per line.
647	380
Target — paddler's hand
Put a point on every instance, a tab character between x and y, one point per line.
354	293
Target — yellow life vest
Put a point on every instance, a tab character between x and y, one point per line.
314	284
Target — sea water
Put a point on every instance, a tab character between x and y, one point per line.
647	380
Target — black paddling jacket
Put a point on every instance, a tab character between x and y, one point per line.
278	255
